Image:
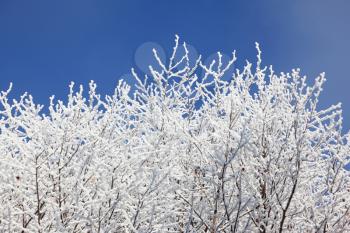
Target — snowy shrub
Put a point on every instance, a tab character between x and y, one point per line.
188	151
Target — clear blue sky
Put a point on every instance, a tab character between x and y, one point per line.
46	44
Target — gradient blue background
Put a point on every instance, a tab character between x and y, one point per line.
46	44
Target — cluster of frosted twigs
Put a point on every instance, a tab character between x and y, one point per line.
187	151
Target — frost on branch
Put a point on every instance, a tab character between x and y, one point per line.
184	153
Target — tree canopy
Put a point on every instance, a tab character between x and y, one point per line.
187	151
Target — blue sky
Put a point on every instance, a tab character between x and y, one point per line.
46	44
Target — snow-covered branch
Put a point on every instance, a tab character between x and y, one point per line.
188	151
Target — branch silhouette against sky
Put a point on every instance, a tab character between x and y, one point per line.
46	44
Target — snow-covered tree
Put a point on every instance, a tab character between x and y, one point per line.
188	151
